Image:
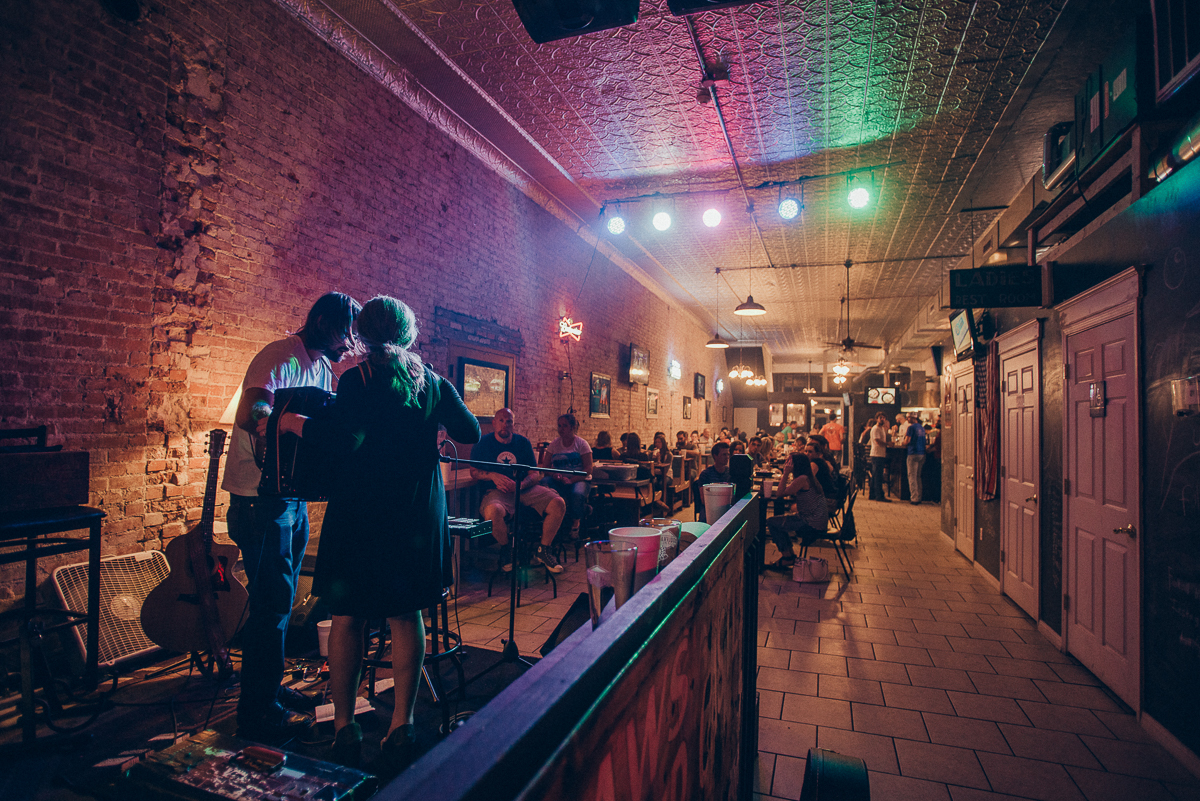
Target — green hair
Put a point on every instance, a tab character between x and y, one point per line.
388	328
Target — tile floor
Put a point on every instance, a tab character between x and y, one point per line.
938	682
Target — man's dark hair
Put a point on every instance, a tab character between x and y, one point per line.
332	315
720	446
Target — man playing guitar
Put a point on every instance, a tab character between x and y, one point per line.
273	532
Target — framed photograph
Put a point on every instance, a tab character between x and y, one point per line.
687	408
639	365
724	413
698	386
601	395
708	411
651	403
484	386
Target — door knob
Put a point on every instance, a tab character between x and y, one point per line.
1031	499
1130	530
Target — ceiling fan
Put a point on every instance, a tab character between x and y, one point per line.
848	344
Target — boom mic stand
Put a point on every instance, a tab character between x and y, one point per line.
511	654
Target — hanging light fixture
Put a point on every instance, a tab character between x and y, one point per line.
858	194
789	207
809	389
750	308
716	341
841	370
616	223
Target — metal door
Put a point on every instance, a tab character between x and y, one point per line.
1020	466
1102	495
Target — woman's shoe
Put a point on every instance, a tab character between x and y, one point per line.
398	751
783	564
347	746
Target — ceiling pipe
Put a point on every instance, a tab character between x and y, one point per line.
1183	150
737	168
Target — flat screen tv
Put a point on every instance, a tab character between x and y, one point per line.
639	365
962	332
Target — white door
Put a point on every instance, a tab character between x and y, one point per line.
964	458
1102	496
1020	465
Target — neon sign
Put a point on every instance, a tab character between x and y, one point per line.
569	328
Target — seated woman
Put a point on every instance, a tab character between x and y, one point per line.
738	447
660	451
808	521
569	451
603	449
633	453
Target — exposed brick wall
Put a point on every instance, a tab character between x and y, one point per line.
175	193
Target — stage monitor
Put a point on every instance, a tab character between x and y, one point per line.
962	332
639	365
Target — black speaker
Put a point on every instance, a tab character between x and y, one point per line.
683	7
547	20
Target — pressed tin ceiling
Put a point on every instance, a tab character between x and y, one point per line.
937	95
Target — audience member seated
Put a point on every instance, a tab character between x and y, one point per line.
502	445
809	520
755	451
569	452
715	473
603	448
661	455
737	446
682	443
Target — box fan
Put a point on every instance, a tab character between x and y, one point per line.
125	581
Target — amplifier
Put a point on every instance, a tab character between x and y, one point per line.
214	767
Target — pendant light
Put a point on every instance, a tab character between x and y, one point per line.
750	308
809	389
716	341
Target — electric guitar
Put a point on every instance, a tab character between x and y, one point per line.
200	605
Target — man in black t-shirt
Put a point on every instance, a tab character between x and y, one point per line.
502	445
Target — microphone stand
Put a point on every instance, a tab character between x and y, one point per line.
511	654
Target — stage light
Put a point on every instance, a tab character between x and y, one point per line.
789	208
661	221
616	225
859	195
712	218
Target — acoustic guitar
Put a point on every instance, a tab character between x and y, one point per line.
200	605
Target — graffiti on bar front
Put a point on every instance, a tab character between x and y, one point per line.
667	730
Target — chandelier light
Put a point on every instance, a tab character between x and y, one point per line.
808	390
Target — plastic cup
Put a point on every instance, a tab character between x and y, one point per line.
717	500
668	547
323	627
610	566
648	541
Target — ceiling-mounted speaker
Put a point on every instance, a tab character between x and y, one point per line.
548	20
682	8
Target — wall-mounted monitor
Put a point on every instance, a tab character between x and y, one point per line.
639	365
884	396
962	333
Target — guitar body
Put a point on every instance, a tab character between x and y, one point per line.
173	614
200	605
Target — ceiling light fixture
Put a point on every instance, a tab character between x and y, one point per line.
808	390
789	207
716	341
711	218
616	223
661	221
858	195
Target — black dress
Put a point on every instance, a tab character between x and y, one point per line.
384	548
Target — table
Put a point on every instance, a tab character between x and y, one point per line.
637	485
32	527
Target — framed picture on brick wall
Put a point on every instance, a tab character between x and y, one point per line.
485	387
601	395
687	408
651	403
708	411
698	386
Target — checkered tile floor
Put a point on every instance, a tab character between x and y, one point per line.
938	682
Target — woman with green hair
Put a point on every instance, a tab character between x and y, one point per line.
385	543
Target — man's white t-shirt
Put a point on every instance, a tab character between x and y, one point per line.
879	437
280	365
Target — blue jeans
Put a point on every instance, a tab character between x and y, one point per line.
576	496
272	534
916	463
877	465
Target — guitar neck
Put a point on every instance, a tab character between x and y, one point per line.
215	449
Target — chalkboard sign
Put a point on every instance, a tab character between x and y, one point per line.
996	287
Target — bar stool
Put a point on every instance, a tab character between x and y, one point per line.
443	645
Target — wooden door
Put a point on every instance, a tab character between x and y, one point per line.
1102	496
964	459
1020	465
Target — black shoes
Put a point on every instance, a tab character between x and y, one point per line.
275	727
397	752
546	557
296	701
347	746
